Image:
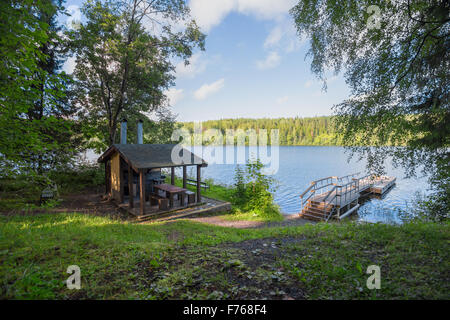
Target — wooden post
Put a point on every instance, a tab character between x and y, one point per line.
142	191
184	177
121	182
199	196
172	176
130	187
107	177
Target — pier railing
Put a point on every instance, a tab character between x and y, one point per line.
318	187
336	190
349	177
340	195
335	195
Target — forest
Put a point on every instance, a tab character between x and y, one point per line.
314	131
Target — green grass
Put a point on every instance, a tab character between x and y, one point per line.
214	191
239	215
187	260
225	193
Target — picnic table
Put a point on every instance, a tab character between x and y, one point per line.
170	191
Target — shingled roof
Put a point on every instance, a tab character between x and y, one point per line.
146	156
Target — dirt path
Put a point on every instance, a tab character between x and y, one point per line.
92	201
289	220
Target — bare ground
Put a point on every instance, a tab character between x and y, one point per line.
289	220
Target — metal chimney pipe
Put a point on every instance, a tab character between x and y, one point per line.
140	137
123	132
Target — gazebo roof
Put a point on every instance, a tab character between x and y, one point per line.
147	156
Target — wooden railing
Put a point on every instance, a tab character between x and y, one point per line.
340	194
318	187
337	190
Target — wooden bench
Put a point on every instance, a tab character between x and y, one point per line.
163	203
191	196
193	182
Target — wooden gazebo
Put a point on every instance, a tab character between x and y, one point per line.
127	166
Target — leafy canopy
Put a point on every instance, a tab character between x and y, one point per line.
395	55
123	63
34	131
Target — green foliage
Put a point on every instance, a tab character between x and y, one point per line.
399	77
253	190
35	131
239	183
21	192
84	176
292	131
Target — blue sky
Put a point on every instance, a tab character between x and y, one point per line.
253	66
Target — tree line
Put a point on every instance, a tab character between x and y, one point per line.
314	131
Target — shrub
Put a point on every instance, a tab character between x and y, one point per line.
79	178
253	190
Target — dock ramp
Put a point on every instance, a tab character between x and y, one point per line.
338	197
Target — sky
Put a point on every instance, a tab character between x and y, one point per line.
254	65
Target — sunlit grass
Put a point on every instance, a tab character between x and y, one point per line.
116	257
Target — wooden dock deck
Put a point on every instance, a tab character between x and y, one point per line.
208	205
383	185
337	197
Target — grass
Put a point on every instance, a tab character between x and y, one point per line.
187	260
216	191
225	193
20	195
239	215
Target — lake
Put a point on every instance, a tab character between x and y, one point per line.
299	165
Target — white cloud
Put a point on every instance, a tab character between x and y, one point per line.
267	9
197	64
207	89
283	36
282	100
274	37
69	65
174	95
209	13
271	61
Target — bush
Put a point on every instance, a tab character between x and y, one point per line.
22	191
79	178
253	190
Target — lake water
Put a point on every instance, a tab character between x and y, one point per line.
299	165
